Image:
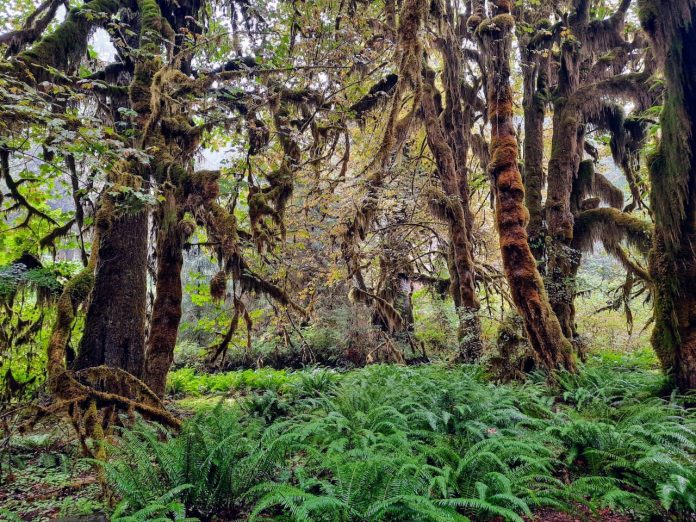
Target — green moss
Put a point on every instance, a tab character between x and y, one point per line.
145	69
65	46
81	285
665	337
502	23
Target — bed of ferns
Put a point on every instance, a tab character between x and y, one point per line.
425	443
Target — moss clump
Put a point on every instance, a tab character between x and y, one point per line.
218	285
63	48
473	22
187	227
501	24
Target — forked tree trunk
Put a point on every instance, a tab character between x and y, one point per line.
462	262
448	129
546	338
586	39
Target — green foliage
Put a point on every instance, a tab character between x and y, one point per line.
38	478
209	466
187	382
162	509
188	354
424	443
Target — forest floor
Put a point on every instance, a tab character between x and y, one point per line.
594	435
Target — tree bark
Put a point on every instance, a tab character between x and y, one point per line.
462	251
115	325
166	310
543	329
673	189
566	153
534	55
582	40
448	129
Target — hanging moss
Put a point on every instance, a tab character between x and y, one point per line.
612	226
218	286
588	182
63	48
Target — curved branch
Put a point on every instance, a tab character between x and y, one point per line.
611	226
64	47
35	24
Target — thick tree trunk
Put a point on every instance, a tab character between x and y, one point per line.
115	325
674	334
543	329
673	189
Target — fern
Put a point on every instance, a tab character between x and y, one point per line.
426	443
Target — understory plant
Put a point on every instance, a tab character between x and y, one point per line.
424	443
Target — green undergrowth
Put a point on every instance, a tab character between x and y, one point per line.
418	443
188	382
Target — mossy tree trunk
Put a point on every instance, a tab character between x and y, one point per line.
114	332
671	26
115	327
552	349
566	154
166	310
584	44
448	127
534	38
462	261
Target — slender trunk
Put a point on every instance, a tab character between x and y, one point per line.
462	251
566	153
166	310
115	325
543	329
534	83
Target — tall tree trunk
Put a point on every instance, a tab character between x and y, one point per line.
553	350
563	260
581	42
166	310
448	139
566	154
115	325
534	115
462	251
671	26
534	54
